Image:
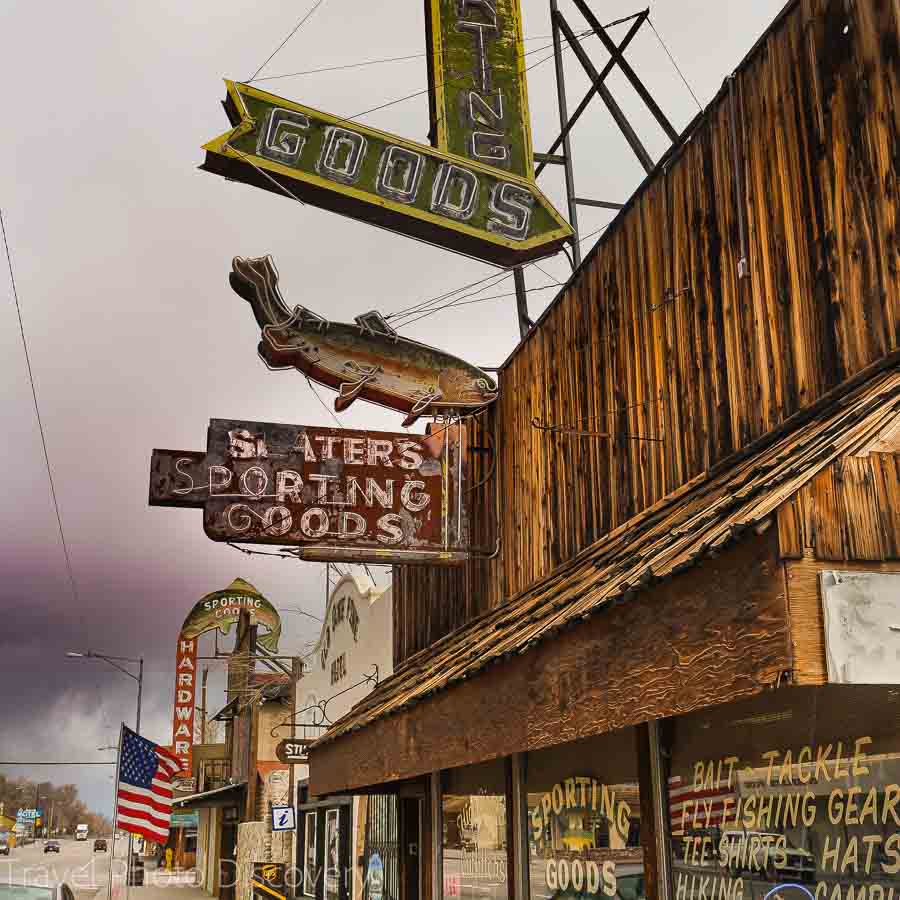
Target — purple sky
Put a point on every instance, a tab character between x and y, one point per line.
122	250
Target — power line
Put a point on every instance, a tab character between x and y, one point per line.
425	308
390	59
327	408
296	28
672	59
464	299
78	762
37	412
416	306
356	65
464	302
456	80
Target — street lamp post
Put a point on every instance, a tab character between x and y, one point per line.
139	678
37	804
114	662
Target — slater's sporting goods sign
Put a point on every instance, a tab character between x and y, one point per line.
333	494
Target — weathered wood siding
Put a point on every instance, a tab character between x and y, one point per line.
850	511
816	110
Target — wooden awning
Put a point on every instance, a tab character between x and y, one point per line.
501	685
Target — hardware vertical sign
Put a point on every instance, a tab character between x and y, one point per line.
476	73
218	611
185	696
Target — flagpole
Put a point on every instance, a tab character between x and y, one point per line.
112	856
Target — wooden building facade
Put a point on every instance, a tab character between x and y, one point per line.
656	679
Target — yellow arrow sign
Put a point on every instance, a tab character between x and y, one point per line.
414	189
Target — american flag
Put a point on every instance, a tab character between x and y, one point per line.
144	803
693	807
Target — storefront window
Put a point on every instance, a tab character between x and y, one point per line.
475	832
791	796
584	820
377	866
332	854
309	854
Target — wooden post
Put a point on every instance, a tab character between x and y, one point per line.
653	778
521	302
436	854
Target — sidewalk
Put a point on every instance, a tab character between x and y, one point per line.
160	884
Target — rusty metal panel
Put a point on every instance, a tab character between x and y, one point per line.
334	494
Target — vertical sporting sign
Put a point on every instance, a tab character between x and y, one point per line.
218	610
478	93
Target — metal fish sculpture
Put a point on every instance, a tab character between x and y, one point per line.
367	360
221	609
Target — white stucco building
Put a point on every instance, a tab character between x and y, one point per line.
341	841
354	644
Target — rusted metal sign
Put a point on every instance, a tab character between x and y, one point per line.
366	360
414	189
333	494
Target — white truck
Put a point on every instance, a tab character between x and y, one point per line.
81	833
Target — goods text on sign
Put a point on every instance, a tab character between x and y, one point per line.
477	80
334	494
417	190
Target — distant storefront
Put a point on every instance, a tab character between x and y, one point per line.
346	844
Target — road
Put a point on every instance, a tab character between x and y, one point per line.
76	863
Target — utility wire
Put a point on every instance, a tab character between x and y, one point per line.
464	302
672	59
400	312
390	59
80	762
464	299
457	81
494	279
296	28
325	406
356	65
37	412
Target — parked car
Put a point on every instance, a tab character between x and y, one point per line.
12	891
99	844
4	843
51	846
